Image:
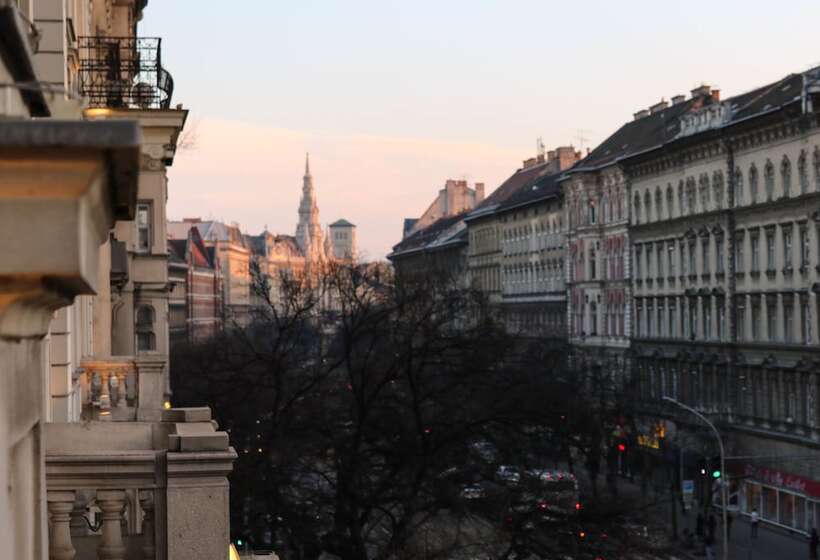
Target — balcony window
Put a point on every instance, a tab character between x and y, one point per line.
771	319
124	72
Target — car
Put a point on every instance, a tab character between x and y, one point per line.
508	474
472	492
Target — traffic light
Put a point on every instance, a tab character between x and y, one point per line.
716	473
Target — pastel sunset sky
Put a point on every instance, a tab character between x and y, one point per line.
392	98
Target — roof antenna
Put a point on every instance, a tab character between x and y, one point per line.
540	149
580	135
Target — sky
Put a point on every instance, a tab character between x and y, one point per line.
391	98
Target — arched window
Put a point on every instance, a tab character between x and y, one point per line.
738	187
703	188
658	204
802	172
681	204
670	201
768	179
753	183
717	186
146	340
786	175
647	202
637	208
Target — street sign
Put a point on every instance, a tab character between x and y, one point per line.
688	491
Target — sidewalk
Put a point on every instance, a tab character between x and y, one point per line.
770	542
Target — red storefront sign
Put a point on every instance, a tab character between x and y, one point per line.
784	480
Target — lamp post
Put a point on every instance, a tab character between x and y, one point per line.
722	469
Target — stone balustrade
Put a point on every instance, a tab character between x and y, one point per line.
138	490
106	384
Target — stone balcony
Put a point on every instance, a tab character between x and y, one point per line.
122	388
139	490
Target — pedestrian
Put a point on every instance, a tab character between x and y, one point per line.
699	526
814	541
711	525
729	519
709	543
754	520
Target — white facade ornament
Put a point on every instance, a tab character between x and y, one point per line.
706	118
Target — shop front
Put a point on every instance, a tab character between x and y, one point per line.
780	498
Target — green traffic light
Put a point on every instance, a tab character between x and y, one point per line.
239	542
716	474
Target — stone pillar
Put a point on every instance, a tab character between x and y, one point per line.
62	185
146	498
151	388
198	462
111	502
60	506
105	390
122	396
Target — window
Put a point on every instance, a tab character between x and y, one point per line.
681	206
649	261
738	187
707	318
144	227
802	172
740	266
647	202
659	260
592	263
721	315
805	321
637	261
770	257
787	246
804	248
650	315
670	258
755	253
717	186
670	197
673	319
683	267
755	321
816	158
753	183
690	194
703	184
788	321
719	254
693	318
592	216
771	321
692	267
741	318
704	246
768	179
658	204
146	341
786	175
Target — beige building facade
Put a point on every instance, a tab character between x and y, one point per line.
69	183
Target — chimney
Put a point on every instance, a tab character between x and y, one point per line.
678	99
551	155
529	163
716	95
641	114
479	193
658	107
702	90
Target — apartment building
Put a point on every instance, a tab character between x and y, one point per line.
65	259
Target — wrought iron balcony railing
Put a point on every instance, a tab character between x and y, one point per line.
124	72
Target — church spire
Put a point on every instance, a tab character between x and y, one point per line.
307	164
309	235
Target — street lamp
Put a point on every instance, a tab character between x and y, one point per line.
722	469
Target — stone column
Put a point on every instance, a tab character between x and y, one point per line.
60	506
199	460
111	502
151	387
146	498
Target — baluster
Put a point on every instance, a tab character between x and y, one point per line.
111	502
121	394
146	498
60	505
105	394
78	524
